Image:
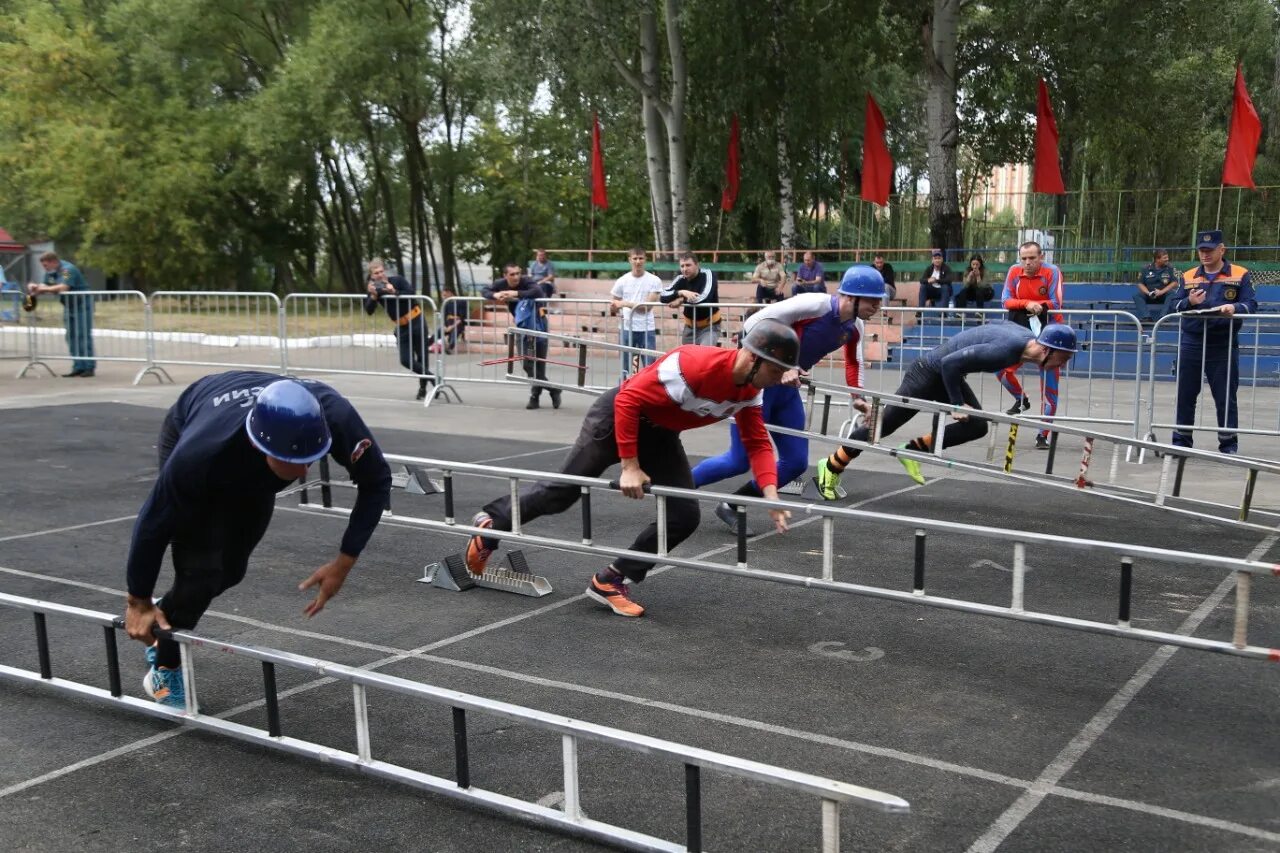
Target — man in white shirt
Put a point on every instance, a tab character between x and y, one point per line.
631	293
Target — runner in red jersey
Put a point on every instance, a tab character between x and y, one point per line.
639	424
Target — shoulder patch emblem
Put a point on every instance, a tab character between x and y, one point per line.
363	445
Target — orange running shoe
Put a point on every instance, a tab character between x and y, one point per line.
614	595
477	554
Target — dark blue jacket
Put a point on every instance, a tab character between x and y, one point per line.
983	349
214	466
396	308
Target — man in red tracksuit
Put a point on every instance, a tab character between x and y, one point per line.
1033	297
639	424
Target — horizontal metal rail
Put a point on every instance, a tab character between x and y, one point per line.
832	793
1122	553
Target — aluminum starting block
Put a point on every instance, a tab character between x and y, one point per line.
419	482
452	574
810	491
807	488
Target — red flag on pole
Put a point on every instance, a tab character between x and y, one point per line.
1242	138
599	195
732	170
877	165
1047	177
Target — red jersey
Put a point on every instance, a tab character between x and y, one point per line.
690	387
1020	289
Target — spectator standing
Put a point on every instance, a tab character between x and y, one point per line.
935	283
633	296
974	288
770	279
1156	282
520	294
392	292
1033	297
695	291
810	276
65	279
1210	343
886	272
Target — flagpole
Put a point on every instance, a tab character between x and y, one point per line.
715	256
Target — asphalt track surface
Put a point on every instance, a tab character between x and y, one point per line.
1002	735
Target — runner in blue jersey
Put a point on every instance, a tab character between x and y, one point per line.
230	443
939	375
824	324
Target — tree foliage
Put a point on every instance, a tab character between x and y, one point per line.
274	144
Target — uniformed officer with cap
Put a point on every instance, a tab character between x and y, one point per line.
1210	341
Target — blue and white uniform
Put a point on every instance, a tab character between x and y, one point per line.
815	317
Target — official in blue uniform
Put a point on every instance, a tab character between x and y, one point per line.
1210	342
230	443
66	280
823	324
411	327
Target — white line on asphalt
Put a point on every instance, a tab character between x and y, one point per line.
65	529
422	653
1013	816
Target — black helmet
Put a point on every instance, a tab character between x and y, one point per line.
775	341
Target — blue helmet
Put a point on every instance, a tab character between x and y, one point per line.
287	423
862	280
1059	336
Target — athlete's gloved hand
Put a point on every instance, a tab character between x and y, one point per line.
328	579
140	618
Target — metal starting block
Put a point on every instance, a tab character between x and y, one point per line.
452	574
807	488
419	482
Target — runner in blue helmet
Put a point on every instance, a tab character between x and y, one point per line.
939	375
823	323
287	423
227	447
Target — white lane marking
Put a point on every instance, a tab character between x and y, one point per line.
68	528
1012	818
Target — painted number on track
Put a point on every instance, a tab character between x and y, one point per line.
833	649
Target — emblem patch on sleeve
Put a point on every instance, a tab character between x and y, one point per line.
363	445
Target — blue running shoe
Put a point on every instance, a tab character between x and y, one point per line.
165	686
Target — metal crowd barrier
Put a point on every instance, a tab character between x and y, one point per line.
332	333
572	821
829	404
14	339
1258	353
1124	555
93	325
217	329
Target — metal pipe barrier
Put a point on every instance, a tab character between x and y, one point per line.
478	353
217	329
1122	554
333	333
1256	351
572	821
93	326
1167	489
1160	498
15	340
